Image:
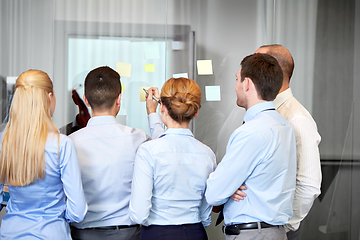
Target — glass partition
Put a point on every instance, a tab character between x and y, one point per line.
153	40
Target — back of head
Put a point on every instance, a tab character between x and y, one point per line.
25	135
265	72
282	55
102	87
182	98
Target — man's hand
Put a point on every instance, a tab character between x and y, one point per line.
151	104
239	194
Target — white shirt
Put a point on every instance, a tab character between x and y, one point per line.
106	152
308	177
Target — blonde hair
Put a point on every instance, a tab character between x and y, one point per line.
22	159
182	98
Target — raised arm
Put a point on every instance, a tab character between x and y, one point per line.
155	124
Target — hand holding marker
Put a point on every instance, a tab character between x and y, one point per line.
155	98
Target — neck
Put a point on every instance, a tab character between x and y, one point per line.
170	123
285	85
108	112
253	103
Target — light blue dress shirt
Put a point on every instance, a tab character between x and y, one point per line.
261	154
170	180
156	126
106	152
43	209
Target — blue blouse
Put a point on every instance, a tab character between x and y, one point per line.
43	209
169	180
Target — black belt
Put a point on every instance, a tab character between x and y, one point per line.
113	227
235	229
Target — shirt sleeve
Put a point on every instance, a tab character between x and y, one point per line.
205	207
205	212
156	125
1	195
232	171
308	177
141	187
76	206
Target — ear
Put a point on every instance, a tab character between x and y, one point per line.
196	114
86	101
246	84
50	95
118	100
162	108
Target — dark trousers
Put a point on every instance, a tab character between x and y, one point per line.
293	235
173	232
131	233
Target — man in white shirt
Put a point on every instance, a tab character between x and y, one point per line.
106	152
308	176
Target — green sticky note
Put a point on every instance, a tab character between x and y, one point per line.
212	93
149	67
180	75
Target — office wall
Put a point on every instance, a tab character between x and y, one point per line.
225	31
26	36
221	35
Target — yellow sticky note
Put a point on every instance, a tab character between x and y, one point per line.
204	67
143	94
124	69
149	67
122	87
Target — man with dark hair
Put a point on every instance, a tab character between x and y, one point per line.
308	176
261	154
106	152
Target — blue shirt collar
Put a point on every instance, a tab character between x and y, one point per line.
254	110
178	131
107	119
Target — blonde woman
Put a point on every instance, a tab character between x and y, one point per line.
39	165
170	172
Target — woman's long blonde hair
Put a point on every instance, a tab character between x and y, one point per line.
22	158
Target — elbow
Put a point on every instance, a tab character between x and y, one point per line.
77	217
137	216
214	199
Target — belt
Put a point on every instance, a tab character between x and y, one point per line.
235	229
113	227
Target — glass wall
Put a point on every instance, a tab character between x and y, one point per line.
151	41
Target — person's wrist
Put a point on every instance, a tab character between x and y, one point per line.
150	111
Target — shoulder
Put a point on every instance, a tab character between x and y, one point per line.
61	144
261	128
64	141
130	130
106	130
168	143
295	112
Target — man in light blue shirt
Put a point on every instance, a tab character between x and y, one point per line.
106	153
261	154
